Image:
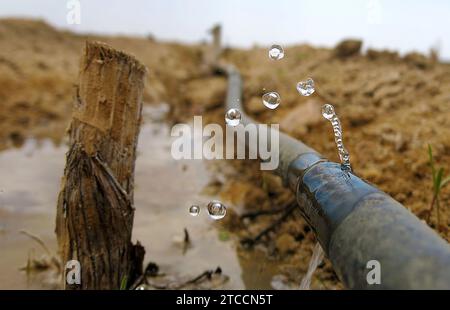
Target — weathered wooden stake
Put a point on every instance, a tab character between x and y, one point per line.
95	210
212	53
216	32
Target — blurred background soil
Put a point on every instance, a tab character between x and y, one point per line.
391	107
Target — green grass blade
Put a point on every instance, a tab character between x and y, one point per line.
123	283
437	184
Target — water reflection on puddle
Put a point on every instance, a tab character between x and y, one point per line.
29	184
164	190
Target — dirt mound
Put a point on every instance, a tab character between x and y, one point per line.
39	66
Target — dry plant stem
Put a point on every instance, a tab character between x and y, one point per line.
206	275
37	240
54	260
431	207
434	201
438	215
95	206
287	211
255	214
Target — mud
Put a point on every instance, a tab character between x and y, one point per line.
390	107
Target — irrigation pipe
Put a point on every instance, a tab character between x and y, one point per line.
354	221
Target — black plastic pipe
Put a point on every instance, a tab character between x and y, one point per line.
354	221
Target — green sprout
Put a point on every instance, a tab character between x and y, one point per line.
438	183
123	283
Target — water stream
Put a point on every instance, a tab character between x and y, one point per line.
315	261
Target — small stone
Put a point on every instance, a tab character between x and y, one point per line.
348	48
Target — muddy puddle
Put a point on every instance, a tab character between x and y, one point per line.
165	188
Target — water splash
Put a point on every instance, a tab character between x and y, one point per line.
315	261
329	114
306	88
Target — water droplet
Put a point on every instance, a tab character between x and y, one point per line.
194	210
306	88
141	287
216	210
327	111
233	117
271	100
276	52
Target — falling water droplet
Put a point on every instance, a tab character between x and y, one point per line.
271	100
233	117
276	52
329	113
216	210
194	210
306	88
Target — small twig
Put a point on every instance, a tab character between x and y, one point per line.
204	275
255	214
431	207
187	239
139	281
207	274
38	240
152	270
40	264
252	241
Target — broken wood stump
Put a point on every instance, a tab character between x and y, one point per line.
95	210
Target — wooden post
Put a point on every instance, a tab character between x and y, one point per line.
95	210
216	32
212	52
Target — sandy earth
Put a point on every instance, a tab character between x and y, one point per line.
390	107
